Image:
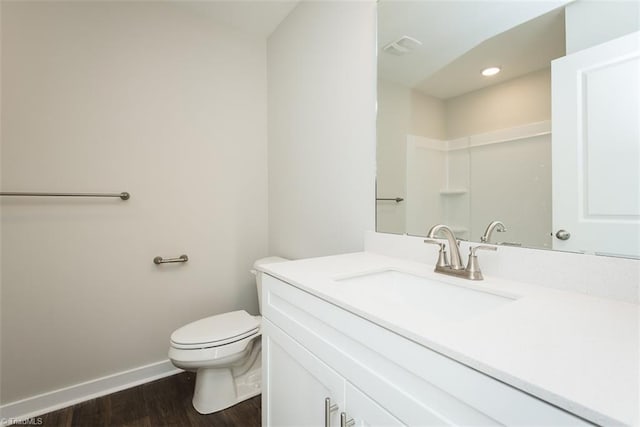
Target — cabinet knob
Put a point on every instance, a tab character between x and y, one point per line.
563	235
328	409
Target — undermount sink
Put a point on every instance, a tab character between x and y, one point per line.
392	289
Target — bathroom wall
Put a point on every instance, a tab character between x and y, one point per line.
514	170
426	177
516	102
321	107
468	182
393	124
401	112
589	23
147	97
410	120
499	172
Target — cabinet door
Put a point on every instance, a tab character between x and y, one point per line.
296	383
364	411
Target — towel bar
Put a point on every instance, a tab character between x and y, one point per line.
124	195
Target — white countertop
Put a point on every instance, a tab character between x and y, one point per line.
578	352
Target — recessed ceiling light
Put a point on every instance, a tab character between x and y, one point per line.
491	71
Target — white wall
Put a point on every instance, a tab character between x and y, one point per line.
150	98
516	102
591	22
456	205
518	170
427	116
511	181
322	84
401	112
393	125
426	176
484	174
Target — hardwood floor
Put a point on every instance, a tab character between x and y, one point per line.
165	402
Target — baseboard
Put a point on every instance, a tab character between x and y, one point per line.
31	407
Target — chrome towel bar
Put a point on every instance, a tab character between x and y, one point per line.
395	199
124	195
159	260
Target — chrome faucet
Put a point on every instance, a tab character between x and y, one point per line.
494	225
455	268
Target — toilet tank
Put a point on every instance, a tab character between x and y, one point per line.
257	270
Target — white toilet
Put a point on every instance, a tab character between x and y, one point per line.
225	352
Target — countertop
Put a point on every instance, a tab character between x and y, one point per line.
575	351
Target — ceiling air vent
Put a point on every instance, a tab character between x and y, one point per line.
404	44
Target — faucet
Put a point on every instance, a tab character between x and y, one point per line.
494	225
455	268
456	262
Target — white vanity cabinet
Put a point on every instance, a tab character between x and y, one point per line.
303	383
306	387
313	349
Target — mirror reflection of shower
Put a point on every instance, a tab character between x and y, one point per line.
464	148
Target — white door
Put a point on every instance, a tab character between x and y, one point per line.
297	383
596	149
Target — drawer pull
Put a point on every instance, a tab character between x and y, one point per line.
344	422
328	409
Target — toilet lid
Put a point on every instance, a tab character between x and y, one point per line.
221	328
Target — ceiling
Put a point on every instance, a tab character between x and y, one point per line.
460	38
259	18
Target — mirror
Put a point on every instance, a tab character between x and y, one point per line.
464	149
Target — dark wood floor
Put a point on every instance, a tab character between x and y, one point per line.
165	402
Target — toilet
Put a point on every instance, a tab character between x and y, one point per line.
225	352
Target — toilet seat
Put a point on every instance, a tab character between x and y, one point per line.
216	331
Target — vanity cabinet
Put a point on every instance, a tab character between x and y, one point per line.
297	382
313	350
301	387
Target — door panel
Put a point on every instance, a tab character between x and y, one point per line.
298	383
596	148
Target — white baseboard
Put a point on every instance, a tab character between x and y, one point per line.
43	403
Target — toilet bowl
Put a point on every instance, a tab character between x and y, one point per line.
225	352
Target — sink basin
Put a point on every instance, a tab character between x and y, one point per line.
397	290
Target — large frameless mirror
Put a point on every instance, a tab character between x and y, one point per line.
466	148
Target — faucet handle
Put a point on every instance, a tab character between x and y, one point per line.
473	249
473	268
434	242
443	259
